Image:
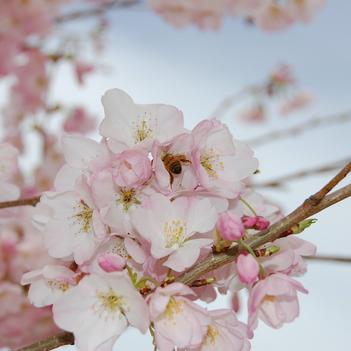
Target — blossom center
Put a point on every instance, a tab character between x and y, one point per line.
142	130
211	335
174	232
210	161
58	285
269	298
128	198
84	216
111	302
173	308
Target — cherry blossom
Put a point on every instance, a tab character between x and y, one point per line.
177	320
127	124
99	309
274	300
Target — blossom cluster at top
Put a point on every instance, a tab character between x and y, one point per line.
269	15
131	213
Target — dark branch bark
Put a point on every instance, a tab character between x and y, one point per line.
21	202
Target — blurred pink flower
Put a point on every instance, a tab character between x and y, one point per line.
79	121
300	100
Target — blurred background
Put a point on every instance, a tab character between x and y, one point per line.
196	70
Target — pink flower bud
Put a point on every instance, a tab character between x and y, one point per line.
131	168
230	227
111	263
255	222
248	268
248	221
261	223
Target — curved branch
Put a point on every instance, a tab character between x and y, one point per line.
32	201
96	11
327	258
279	182
300	128
314	204
51	343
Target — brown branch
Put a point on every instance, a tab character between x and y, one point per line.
32	201
300	128
327	258
51	343
314	204
279	182
96	11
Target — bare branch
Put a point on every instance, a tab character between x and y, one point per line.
279	182
21	202
314	204
327	258
51	343
96	11
300	128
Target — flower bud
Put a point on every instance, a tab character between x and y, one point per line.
131	168
111	263
261	223
248	268
230	227
248	221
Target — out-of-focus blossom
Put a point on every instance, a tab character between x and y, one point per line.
81	70
299	101
79	121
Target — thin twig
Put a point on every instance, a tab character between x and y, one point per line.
327	258
96	11
314	204
32	201
279	182
300	128
51	343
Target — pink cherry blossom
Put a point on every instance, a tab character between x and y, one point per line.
47	285
248	268
220	161
289	259
71	223
178	321
127	124
109	303
225	332
274	300
169	227
230	227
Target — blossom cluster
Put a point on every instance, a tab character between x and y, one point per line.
268	15
129	214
